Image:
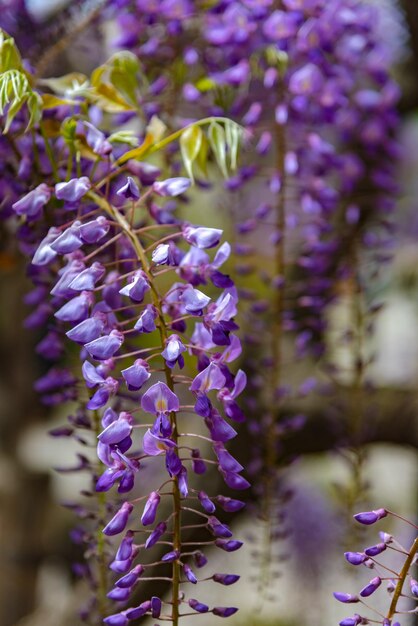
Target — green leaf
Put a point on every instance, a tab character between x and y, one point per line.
217	140
124	75
49	101
10	58
114	85
202	157
190	145
233	134
125	136
69	85
15	92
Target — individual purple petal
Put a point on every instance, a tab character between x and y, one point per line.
371	587
76	309
88	278
137	287
194	300
375	550
118	619
219	429
413	584
138	611
126	547
226	579
159	399
171	186
150	509
44	253
91	375
97	140
235	481
347	598
106	346
156	606
229	504
202	237
172	462
32	203
68	241
218	529
169	557
94	231
351	621
226	461
370	517
119	594
87	330
157	533
198	606
160	254
136	375
117	431
188	572
206	503
146	321
211	378
154	445
103	394
228	545
224	611
183	482
61	288
73	190
130	190
173	351
203	405
118	523
355	558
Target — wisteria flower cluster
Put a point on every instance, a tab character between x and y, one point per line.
401	585
139	294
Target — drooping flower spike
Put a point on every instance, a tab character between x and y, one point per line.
100	260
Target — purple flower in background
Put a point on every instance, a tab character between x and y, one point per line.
33	202
171	186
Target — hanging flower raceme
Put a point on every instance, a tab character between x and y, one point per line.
111	277
400	583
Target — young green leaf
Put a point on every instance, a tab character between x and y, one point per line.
190	145
233	133
217	140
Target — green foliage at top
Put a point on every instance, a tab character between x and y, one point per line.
15	86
